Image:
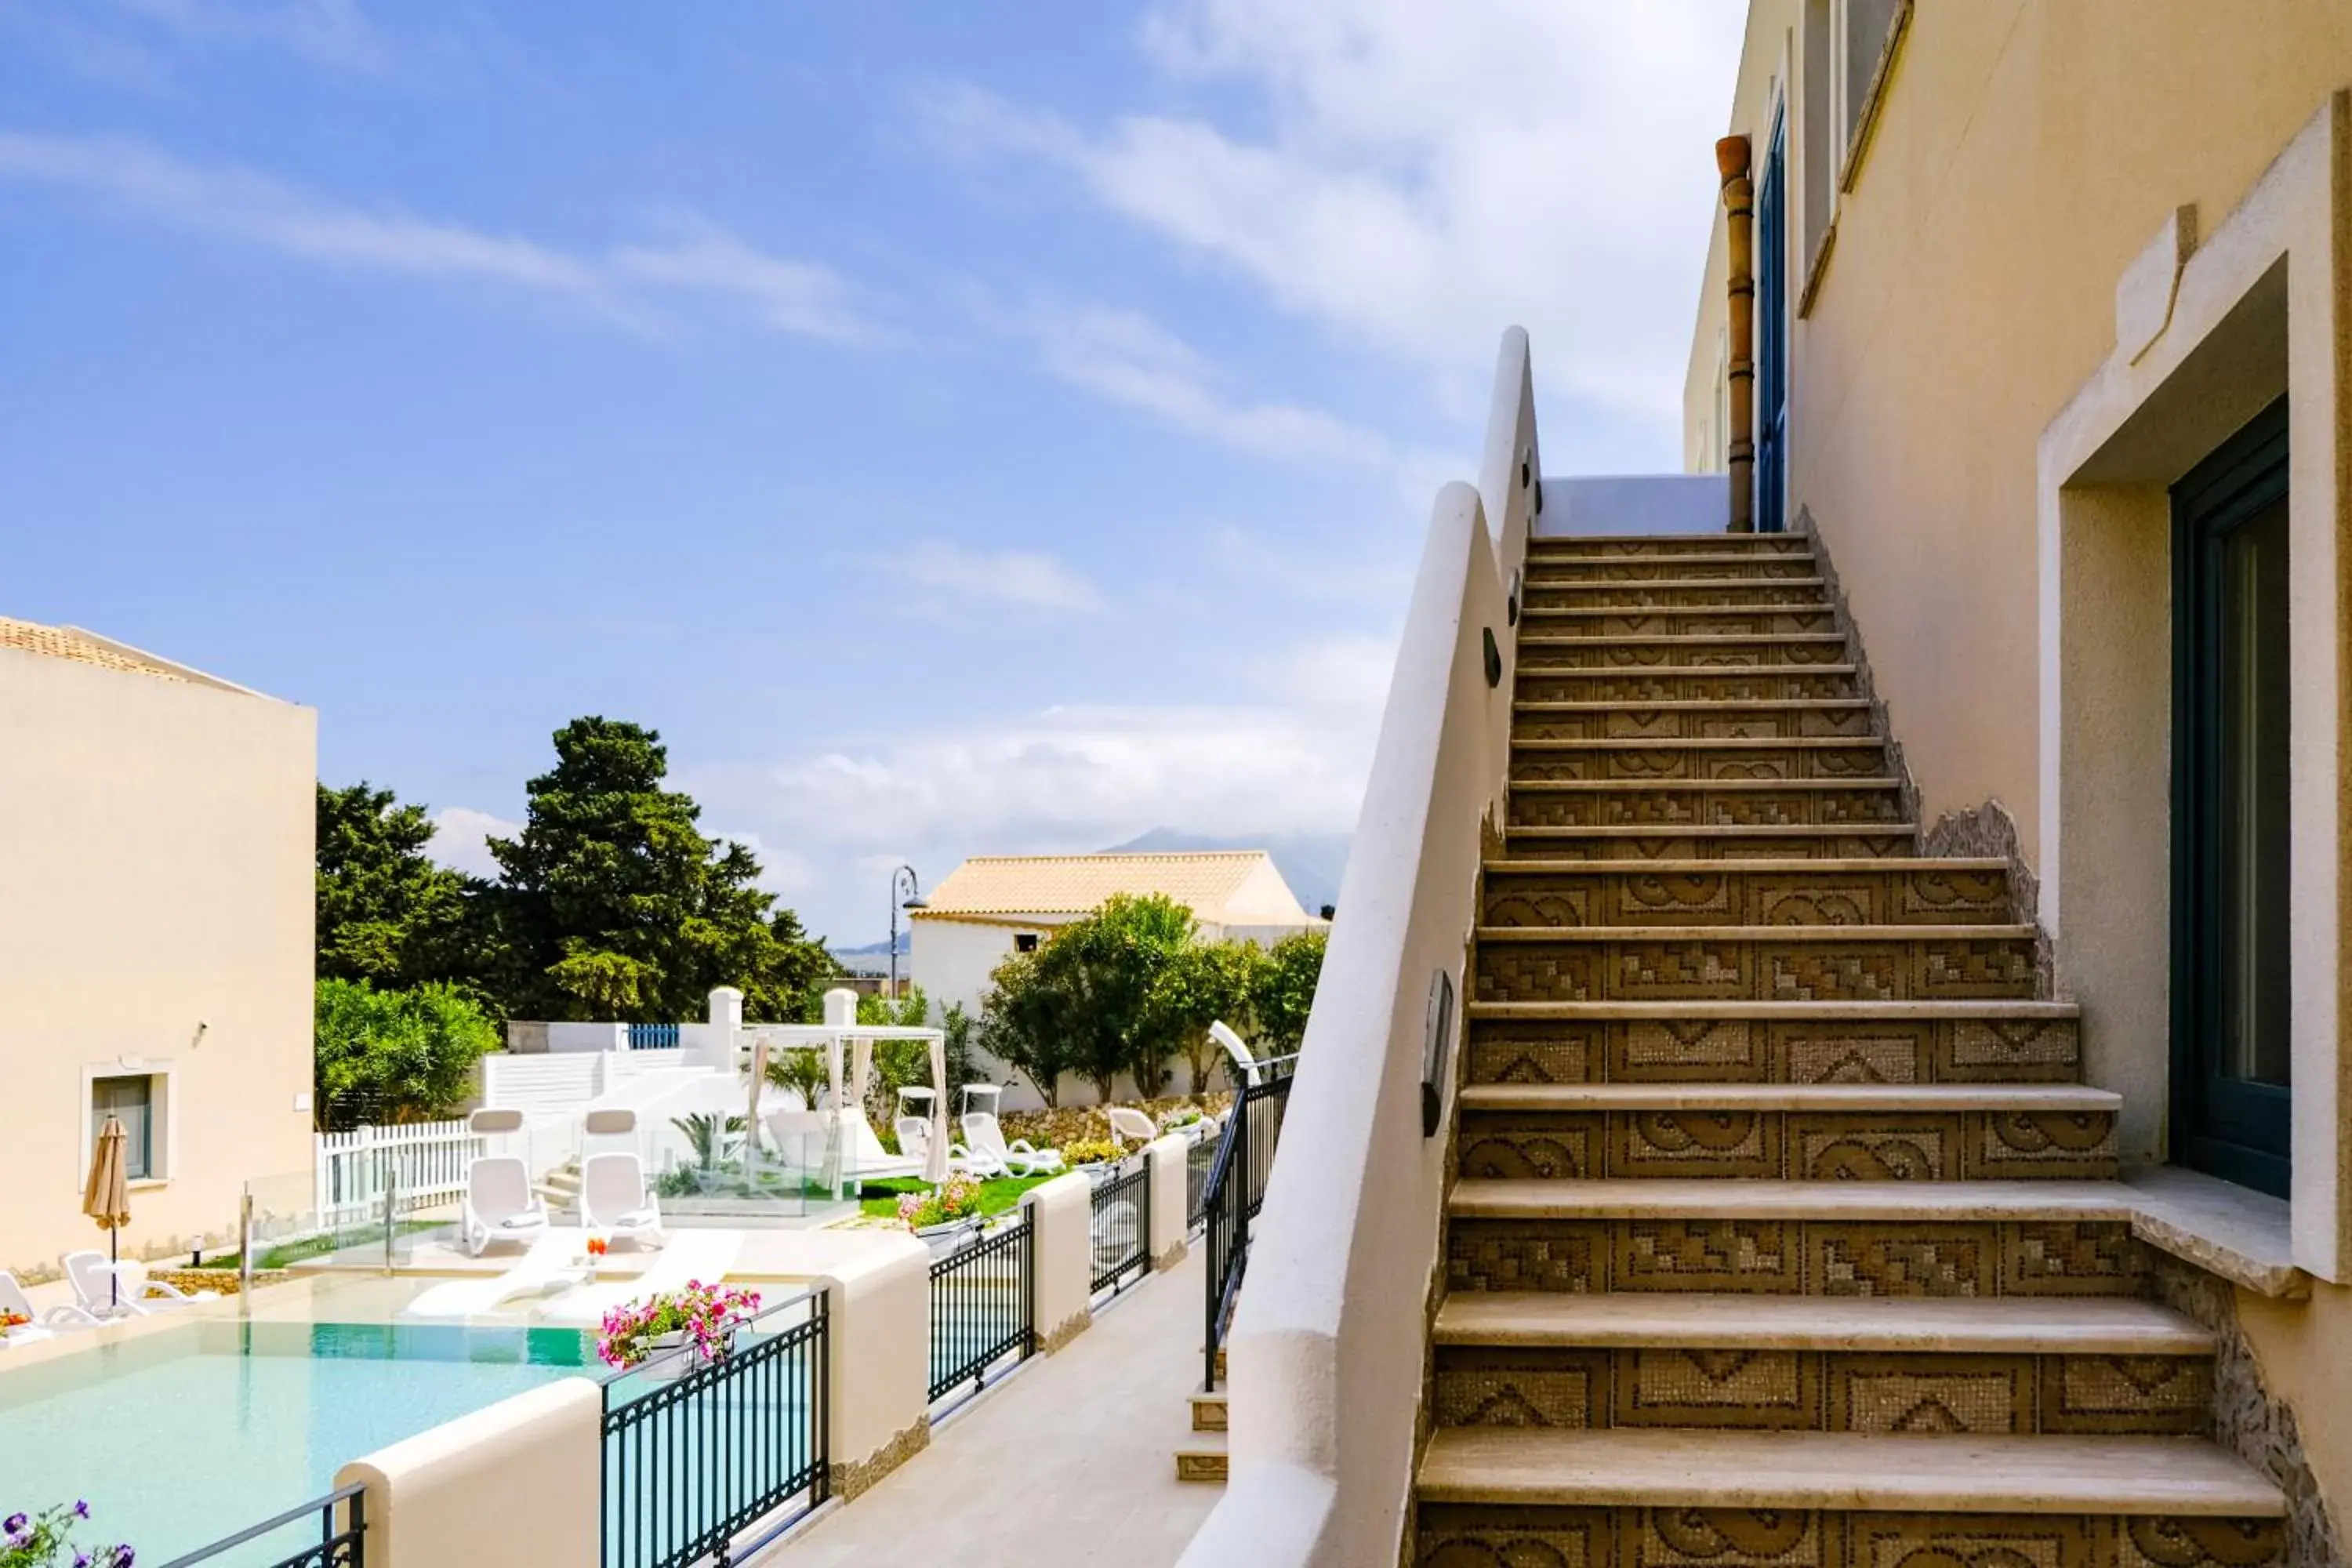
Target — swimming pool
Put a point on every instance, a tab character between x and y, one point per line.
182	1437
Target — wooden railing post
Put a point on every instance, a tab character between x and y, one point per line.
1731	161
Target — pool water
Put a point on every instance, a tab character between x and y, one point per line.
178	1439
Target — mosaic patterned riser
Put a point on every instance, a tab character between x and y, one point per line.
1736	897
1816	969
1667	546
1807	1146
1839	1391
1628	723
1599	653
1763	1050
1726	686
1665	806
1466	1536
1676	594
1857	842
1561	574
1689	621
1796	1257
1764	760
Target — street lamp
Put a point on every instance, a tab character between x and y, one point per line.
903	877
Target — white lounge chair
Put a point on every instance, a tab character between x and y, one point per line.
693	1255
13	1300
983	1138
615	1199
554	1260
123	1289
1127	1122
499	1204
1245	1069
914	1136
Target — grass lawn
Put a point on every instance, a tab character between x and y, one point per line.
880	1199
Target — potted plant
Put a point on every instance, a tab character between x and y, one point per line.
952	1207
702	1318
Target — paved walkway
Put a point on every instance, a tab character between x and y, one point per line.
1069	1464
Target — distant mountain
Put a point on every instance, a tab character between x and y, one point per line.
873	957
1310	862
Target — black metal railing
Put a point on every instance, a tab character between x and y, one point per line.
1197	1161
694	1463
1235	1191
983	1307
1119	1226
342	1520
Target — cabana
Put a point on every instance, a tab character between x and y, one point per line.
852	1151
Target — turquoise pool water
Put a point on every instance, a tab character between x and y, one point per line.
181	1439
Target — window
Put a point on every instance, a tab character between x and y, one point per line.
1862	44
131	1101
1025	941
1819	146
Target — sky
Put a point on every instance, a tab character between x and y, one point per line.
956	429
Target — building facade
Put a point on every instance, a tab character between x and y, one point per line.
156	898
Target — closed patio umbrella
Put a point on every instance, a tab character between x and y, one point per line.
105	1196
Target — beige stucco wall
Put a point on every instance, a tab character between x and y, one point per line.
155	876
2025	152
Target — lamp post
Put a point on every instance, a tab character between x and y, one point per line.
904	877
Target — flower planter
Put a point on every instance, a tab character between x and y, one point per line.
664	1364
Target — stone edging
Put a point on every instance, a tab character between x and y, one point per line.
1069	1329
1176	1254
847	1481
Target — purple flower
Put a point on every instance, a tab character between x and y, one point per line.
81	1508
13	1524
81	1560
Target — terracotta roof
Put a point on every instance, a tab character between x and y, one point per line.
1203	881
82	647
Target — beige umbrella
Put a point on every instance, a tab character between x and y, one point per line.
105	1196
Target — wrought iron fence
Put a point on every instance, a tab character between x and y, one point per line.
1235	1191
653	1036
1119	1226
342	1520
1197	1161
983	1307
694	1462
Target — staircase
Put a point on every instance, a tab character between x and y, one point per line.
1784	1236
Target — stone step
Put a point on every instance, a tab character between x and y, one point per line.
1673	592
1208	1410
1937	1477
1773	1042
1637	685
1874	1132
1573	545
1691	719
1562	572
1763	964
1693	620
1884	1325
1975	1239
1202	1458
1540	653
1618	844
1531	892
1797	757
1723	803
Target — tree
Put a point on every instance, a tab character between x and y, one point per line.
1108	970
1212	982
386	913
1285	991
394	1056
612	904
1022	1024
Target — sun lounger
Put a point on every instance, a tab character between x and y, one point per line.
499	1204
13	1300
614	1198
984	1137
123	1289
553	1263
691	1255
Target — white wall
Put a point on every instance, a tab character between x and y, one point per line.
1635	504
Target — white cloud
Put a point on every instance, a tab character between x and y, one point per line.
1418	176
1020	577
783	294
461	838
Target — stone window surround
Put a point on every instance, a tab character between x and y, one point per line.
2208	334
163	1117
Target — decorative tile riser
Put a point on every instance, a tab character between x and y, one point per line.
1625	722
1572	573
1722	684
1796	1257
1602	653
1672	594
1466	1535
1825	969
1764	760
1829	844
1667	807
1766	1051
1733	897
1668	546
1814	1391
1682	623
1809	1146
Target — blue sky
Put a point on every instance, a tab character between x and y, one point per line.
957	429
